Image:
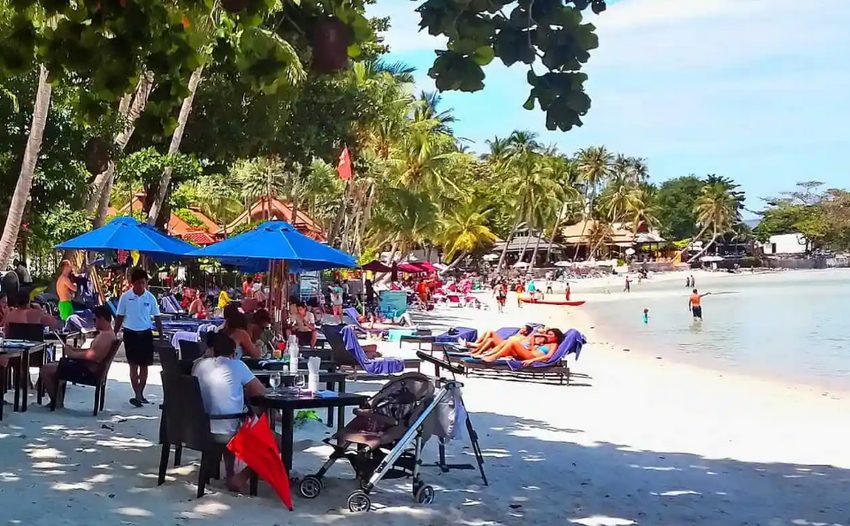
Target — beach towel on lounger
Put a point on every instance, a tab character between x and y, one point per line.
377	366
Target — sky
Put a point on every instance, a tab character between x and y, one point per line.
756	90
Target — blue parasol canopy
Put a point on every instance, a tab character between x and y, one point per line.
276	241
127	233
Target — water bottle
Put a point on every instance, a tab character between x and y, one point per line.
292	350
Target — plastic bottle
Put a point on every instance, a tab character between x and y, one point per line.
292	351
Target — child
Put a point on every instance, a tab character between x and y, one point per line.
646	315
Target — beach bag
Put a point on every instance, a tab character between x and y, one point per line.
451	416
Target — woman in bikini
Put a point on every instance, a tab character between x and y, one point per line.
541	348
490	340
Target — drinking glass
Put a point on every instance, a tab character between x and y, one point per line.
274	381
300	381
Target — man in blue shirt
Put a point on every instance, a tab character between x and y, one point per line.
135	309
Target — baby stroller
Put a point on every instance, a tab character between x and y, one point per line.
385	440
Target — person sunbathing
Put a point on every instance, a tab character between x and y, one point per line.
541	348
491	339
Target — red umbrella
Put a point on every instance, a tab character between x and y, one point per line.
427	266
411	268
256	446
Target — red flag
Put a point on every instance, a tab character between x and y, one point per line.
344	167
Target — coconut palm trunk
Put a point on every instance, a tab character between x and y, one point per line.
507	244
708	245
554	233
534	254
587	213
460	257
130	108
174	147
699	235
24	184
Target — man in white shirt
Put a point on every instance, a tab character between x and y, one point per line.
304	325
225	383
135	309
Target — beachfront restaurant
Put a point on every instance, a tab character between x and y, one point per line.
614	240
522	248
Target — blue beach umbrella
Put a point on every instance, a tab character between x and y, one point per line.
276	241
127	233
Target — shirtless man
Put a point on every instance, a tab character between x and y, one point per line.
81	363
65	289
695	304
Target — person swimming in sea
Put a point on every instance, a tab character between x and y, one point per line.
695	303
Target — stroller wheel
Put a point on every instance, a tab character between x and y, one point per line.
425	495
359	502
310	487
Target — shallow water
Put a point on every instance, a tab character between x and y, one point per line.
790	325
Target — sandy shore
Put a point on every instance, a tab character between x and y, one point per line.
633	440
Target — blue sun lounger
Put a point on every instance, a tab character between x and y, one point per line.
554	366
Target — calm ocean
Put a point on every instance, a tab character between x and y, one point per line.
794	326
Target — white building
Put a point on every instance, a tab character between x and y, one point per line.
794	243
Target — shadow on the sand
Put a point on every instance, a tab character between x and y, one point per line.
71	468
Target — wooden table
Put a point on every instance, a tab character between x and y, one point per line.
288	403
333	382
21	349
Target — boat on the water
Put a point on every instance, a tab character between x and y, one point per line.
554	302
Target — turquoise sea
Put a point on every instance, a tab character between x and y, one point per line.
793	326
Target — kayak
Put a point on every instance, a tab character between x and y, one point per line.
553	302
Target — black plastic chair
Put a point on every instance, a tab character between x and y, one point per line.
190	351
97	380
172	364
185	423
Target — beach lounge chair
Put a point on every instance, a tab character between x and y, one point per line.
554	367
347	352
351	316
456	351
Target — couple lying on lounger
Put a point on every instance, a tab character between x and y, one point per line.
529	345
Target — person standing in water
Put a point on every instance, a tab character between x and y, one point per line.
646	315
693	281
695	303
567	291
628	287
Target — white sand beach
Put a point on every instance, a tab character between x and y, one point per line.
633	440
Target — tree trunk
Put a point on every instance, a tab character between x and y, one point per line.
393	250
706	247
507	243
527	242
534	254
174	147
701	232
588	213
130	108
340	216
454	263
554	233
24	184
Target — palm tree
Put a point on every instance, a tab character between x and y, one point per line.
24	184
595	166
465	230
565	172
716	208
632	169
404	219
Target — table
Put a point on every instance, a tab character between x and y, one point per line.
288	403
21	349
329	379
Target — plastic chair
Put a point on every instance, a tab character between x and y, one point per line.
185	423
97	380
